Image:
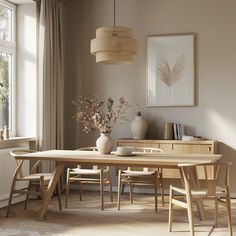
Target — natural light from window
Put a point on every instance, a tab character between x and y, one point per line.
29	35
26	70
7	64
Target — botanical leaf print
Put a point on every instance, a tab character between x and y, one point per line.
167	75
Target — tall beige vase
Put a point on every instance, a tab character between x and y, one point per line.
139	126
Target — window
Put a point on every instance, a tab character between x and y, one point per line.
7	64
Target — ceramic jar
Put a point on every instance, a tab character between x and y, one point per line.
139	127
105	143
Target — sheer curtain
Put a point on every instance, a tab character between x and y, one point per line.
51	77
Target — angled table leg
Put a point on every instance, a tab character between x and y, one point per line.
51	186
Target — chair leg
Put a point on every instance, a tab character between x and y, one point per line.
110	187
160	179
229	216
10	196
27	195
80	191
67	187
155	187
102	189
190	211
122	188
131	193
59	194
119	190
170	209
42	186
216	212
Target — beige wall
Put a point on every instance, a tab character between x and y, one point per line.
213	22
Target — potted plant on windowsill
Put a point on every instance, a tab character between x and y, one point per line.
101	116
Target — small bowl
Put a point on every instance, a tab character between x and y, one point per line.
124	150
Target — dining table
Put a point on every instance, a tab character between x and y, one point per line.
137	159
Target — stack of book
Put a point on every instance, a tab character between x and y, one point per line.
178	131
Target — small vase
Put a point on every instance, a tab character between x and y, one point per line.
139	127
104	143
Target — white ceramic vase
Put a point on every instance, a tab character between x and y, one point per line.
139	127
104	143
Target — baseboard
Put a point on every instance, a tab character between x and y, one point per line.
15	199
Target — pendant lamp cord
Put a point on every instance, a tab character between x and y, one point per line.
114	14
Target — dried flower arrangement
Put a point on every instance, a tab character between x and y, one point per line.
101	116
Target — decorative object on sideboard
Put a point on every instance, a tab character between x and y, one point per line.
170	70
191	138
114	44
178	130
139	126
101	116
168	131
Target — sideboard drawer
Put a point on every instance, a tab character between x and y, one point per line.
193	148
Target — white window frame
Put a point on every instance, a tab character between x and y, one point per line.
10	47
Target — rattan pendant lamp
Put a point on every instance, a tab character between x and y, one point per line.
114	44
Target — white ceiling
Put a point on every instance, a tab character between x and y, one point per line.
21	1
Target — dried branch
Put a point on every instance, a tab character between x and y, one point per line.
95	115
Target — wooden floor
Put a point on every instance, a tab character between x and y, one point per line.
85	218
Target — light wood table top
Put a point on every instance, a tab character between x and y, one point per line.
138	159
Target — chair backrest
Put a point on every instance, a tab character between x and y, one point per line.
17	152
95	167
207	175
145	150
87	149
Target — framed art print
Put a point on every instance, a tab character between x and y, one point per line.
170	70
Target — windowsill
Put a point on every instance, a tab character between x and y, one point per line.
18	142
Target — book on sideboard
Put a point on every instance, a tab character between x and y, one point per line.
178	131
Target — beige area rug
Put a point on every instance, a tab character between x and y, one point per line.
84	218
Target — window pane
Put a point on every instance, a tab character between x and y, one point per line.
5	23
5	86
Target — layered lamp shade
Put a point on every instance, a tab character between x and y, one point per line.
114	45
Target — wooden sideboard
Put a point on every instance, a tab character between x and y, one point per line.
175	147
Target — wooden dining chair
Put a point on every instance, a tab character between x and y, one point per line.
94	175
142	177
202	181
37	182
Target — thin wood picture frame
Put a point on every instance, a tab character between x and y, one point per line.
170	70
